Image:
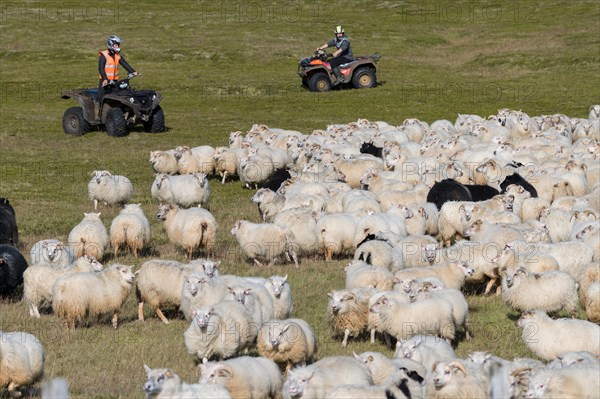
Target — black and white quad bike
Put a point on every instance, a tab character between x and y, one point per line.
120	107
317	74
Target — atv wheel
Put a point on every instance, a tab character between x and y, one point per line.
319	82
74	123
156	123
363	78
116	125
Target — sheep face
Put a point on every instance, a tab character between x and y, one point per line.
239	294
338	301
513	275
430	251
277	284
158	379
126	274
164	211
194	282
282	335
530	317
585	232
202	317
97	175
297	381
52	250
215	373
210	267
479	358
236	227
443	373
93	262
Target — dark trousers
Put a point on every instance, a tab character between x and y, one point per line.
337	61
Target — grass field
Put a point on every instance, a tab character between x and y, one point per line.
224	66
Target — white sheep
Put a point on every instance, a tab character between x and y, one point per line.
164	162
420	251
38	280
452	274
255	170
244	377
130	229
220	331
108	188
337	233
374	321
425	349
266	240
348	311
89	237
21	360
321	378
455	380
227	161
592	302
281	294
548	291
165	384
185	191
287	342
380	252
200	290
361	274
575	381
255	298
191	228
455	216
77	295
53	252
195	160
302	222
486	232
549	338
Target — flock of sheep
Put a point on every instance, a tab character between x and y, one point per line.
509	201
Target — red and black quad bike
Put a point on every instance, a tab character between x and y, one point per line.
317	75
120	106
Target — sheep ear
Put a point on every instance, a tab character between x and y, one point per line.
169	373
355	355
330	294
434	365
285	278
148	369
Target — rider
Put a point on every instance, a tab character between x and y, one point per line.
342	55
108	63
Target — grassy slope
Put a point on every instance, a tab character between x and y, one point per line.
225	66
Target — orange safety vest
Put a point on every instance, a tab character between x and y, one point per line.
112	65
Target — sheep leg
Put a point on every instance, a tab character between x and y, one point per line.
224	177
141	311
346	335
95	204
33	311
257	262
295	257
12	390
373	335
161	316
388	342
489	285
115	318
116	249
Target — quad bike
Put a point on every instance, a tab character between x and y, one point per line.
317	74
119	107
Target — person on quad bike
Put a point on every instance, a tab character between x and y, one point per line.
108	64
342	55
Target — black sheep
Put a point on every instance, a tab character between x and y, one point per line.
481	192
9	233
276	179
517	179
448	190
370	148
12	266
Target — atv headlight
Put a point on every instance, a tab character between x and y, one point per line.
131	100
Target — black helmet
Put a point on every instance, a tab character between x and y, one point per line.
114	43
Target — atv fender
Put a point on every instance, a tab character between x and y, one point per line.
88	105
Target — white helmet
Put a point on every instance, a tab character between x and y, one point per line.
339	29
114	43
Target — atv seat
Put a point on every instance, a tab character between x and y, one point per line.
347	64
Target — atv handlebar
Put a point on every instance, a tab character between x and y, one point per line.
123	83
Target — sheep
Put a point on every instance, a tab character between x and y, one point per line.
452	274
21	361
39	279
548	291
380	252
400	384
576	381
165	384
52	252
195	160
89	237
276	180
191	228
255	170
511	257
78	294
592	302
517	179
403	320
269	203
361	274
348	311
9	232
281	294
244	377
200	290
108	188
425	349
419	251
321	378
549	338
532	208
185	191
266	240
227	161
287	342
374	321
130	229
455	216
164	162
589	275
160	283
486	232
12	267
255	298
337	233
383	370
220	330
454	380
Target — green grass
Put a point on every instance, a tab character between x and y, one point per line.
224	66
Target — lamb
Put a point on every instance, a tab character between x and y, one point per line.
255	298
452	274
108	188
12	267
200	290
454	380
425	349
40	278
195	160
266	240
130	229
191	228
403	320
321	378
348	311
21	361
287	342
220	331
549	338
164	162
455	216
89	237
374	323
9	232
548	291
337	233
78	294
281	294
160	283
185	191
52	252
165	384
361	274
